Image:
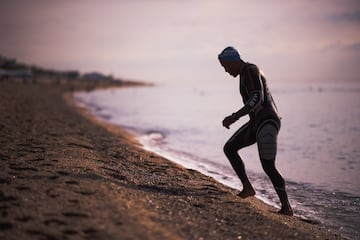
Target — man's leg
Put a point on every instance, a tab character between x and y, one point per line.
279	185
240	139
267	145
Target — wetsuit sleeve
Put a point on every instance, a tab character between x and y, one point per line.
254	87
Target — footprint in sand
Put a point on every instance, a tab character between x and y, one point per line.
75	215
90	232
23	188
117	176
23	168
40	234
6	225
74	201
70	232
53	177
113	173
36	159
23	219
5	198
63	173
53	221
51	193
47	165
84	192
4	181
72	182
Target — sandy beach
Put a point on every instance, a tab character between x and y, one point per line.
66	175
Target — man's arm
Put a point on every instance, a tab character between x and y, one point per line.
255	88
256	98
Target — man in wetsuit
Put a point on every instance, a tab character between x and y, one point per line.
262	128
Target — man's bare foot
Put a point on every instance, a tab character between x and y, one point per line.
246	192
286	211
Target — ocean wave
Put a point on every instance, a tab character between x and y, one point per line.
326	88
153	137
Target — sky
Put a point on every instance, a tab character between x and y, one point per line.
178	41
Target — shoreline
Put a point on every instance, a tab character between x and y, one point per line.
66	174
113	128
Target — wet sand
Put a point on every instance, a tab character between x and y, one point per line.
65	175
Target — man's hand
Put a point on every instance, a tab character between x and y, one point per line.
229	120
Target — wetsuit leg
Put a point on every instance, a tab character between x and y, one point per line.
276	179
266	137
241	138
267	145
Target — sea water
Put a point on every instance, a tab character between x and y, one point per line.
318	152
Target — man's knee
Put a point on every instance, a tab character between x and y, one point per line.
267	141
273	173
229	149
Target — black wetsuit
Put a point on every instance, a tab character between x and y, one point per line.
262	127
256	96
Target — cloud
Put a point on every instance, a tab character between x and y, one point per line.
341	46
153	39
354	47
353	16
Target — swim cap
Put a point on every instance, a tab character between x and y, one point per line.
229	54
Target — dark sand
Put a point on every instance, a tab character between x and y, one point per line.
65	175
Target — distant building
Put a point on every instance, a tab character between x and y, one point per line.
94	76
22	72
71	74
7	62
